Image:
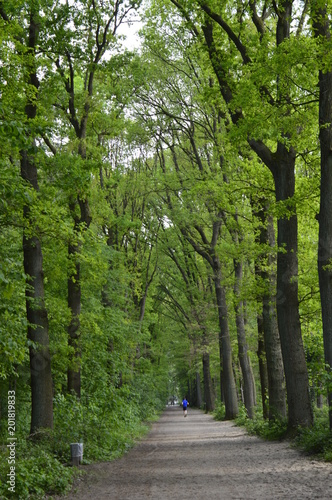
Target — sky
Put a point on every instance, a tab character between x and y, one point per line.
130	31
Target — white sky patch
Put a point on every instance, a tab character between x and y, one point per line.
129	30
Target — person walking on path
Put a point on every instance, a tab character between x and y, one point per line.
185	406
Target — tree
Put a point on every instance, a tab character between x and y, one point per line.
269	340
321	16
38	328
249	392
219	32
83	35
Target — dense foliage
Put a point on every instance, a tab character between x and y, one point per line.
161	216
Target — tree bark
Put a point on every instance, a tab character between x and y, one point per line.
269	328
74	297
74	304
282	166
275	367
199	400
261	354
228	388
81	222
322	30
38	330
228	393
248	381
208	389
297	382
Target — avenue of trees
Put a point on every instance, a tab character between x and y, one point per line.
165	221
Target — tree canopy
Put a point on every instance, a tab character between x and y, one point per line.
164	220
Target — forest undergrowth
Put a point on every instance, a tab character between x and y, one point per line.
107	427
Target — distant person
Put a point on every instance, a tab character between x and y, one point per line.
185	405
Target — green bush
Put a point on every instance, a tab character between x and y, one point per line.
37	471
219	412
271	430
108	422
318	439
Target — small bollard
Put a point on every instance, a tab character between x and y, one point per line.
76	452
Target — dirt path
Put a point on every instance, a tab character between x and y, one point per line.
199	458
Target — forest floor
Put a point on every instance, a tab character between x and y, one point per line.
199	458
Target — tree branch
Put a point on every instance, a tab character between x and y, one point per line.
219	20
186	16
49	144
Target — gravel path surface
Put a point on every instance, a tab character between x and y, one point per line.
198	458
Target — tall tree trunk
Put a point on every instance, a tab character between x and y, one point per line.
74	304
208	389
105	27
322	30
248	381
199	400
282	166
296	373
207	251
74	295
261	354
297	382
274	364
228	386
38	331
275	367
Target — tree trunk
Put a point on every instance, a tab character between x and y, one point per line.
297	382
38	332
74	296
261	354
74	304
199	400
248	382
208	389
321	29
227	381
275	368
40	359
228	386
